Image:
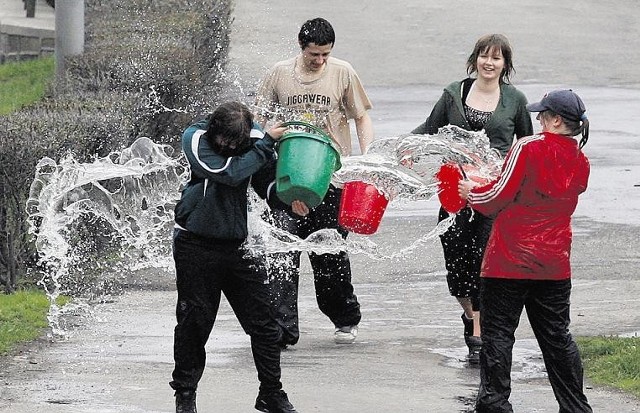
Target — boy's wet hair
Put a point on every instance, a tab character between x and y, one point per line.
318	31
232	121
485	44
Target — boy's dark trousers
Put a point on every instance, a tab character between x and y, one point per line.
331	272
205	268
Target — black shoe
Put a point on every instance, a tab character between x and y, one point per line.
468	325
186	401
287	339
274	402
475	345
284	343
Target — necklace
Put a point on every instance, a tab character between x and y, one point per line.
487	101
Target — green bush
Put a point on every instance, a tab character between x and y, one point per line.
149	68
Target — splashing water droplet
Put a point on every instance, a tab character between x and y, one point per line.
128	197
133	192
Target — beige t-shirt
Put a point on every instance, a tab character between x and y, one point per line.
327	101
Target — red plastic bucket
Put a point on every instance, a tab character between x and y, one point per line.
448	177
361	207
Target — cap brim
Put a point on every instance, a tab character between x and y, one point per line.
536	107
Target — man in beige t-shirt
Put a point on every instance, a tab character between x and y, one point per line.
319	89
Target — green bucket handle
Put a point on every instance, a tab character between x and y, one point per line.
320	132
308	126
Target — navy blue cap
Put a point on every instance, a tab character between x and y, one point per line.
562	102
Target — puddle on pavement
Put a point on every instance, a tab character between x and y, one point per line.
527	359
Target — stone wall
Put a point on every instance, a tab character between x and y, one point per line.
22	43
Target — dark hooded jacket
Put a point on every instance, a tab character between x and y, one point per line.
214	201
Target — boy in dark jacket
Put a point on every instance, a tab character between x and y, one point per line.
225	154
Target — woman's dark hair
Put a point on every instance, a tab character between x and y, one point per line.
318	31
232	121
486	43
583	129
576	127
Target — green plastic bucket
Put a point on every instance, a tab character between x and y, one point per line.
306	161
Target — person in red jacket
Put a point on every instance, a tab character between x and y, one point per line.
526	262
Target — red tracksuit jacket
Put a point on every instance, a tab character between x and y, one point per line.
533	198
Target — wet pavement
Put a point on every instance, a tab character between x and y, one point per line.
408	354
407	357
14	14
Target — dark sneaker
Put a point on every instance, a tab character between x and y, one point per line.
186	401
274	402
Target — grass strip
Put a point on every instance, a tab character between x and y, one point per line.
24	82
23	317
612	361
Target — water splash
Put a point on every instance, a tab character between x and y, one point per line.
154	103
127	198
265	238
404	167
133	192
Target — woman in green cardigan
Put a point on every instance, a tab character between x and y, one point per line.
487	102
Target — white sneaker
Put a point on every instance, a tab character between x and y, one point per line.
346	334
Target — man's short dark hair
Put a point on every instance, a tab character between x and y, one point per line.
318	31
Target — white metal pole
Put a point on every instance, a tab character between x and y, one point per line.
69	22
